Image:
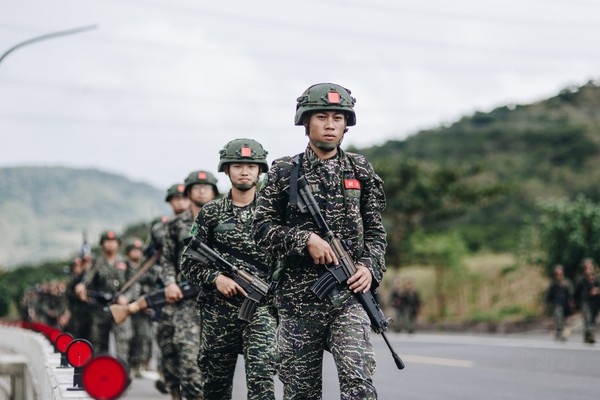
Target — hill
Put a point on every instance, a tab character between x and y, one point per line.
45	209
548	149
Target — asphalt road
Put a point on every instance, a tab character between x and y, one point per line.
516	367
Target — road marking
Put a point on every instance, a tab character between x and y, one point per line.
446	362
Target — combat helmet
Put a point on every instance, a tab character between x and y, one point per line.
326	96
243	151
174	190
133	243
109	235
200	177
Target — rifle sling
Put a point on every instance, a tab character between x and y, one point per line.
149	263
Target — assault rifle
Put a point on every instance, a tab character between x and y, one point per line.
256	289
152	300
339	274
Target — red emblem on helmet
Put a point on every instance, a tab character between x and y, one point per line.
333	97
246	152
110	235
201	175
180	188
137	244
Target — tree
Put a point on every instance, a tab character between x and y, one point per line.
569	231
422	197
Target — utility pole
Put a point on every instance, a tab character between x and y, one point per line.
46	36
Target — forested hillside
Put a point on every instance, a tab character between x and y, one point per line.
45	209
546	150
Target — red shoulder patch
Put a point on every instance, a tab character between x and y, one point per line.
352	184
121	265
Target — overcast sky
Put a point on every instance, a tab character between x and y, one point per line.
160	86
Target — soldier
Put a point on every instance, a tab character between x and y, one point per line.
179	333
587	298
351	198
225	225
559	299
153	248
140	348
80	319
410	303
108	275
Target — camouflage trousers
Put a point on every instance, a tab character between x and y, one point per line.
178	337
140	347
301	340
102	324
223	337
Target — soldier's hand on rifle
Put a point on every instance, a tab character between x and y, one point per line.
320	251
228	287
173	293
122	300
361	280
81	292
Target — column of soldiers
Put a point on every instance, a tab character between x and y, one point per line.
269	236
562	300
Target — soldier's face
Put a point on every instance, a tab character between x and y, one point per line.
201	193
135	255
326	127
179	204
110	246
243	175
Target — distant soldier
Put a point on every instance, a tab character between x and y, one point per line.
108	275
225	226
153	249
396	303
140	348
80	318
559	299
587	299
179	333
410	303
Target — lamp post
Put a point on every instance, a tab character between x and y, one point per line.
46	36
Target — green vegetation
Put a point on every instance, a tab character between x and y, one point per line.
45	209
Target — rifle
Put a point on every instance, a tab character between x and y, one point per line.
255	287
339	274
152	300
85	250
98	298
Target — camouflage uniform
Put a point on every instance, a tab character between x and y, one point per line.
105	276
178	335
140	350
226	228
80	321
308	325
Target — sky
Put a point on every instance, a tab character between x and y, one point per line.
158	87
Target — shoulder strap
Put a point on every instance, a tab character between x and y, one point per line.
297	160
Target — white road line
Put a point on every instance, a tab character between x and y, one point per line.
446	362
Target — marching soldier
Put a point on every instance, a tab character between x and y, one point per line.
225	226
179	334
587	298
140	348
351	198
108	275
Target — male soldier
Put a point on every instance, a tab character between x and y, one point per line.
108	275
351	198
140	348
559	299
225	226
410	303
179	335
152	249
587	298
79	320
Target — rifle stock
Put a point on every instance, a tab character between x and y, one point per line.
255	287
339	274
154	300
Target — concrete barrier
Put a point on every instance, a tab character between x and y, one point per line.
43	378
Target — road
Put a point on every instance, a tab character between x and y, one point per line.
439	366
